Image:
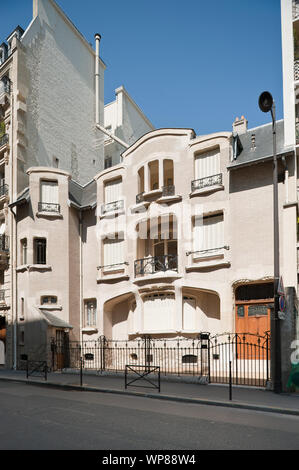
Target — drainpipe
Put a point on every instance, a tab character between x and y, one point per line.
81	278
13	241
97	95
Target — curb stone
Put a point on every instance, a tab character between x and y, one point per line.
173	398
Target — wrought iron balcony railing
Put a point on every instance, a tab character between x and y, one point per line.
3	190
296	70
4	243
205	182
113	267
295	9
2	295
3	140
4	87
112	207
140	198
168	190
208	251
48	207
155	264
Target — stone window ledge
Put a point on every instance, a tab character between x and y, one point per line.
208	264
34	267
51	215
89	330
113	277
207	190
50	307
140	207
112	214
165	199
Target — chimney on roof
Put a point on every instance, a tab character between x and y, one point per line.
240	125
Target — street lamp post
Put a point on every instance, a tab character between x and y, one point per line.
266	104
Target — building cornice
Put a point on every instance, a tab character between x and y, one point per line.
44	169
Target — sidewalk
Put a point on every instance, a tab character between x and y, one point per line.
217	395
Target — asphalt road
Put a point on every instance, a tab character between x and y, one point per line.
40	418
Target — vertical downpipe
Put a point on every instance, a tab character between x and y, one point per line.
97	37
13	239
81	279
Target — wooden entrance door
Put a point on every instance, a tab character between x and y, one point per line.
252	318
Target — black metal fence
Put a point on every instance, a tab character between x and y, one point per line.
205	356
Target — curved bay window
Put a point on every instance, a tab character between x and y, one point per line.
157	246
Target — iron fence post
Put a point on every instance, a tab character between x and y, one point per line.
81	371
209	358
236	353
267	357
230	380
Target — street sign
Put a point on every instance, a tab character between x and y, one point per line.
89	357
280	288
282	303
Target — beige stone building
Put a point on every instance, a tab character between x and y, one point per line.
171	237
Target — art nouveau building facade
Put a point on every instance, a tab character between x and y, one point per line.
173	241
171	238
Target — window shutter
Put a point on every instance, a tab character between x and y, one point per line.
49	192
113	191
113	254
207	164
208	233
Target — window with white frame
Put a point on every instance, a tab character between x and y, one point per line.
113	253
207	164
90	312
113	191
208	233
49	196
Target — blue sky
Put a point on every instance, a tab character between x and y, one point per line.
191	63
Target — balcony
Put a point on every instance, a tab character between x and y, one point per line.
295	9
4	93
4	243
49	207
2	296
3	140
140	198
155	264
296	70
3	190
206	185
114	207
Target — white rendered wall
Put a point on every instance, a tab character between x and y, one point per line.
60	99
127	121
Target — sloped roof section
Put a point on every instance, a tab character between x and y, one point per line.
257	145
83	197
55	321
22	198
